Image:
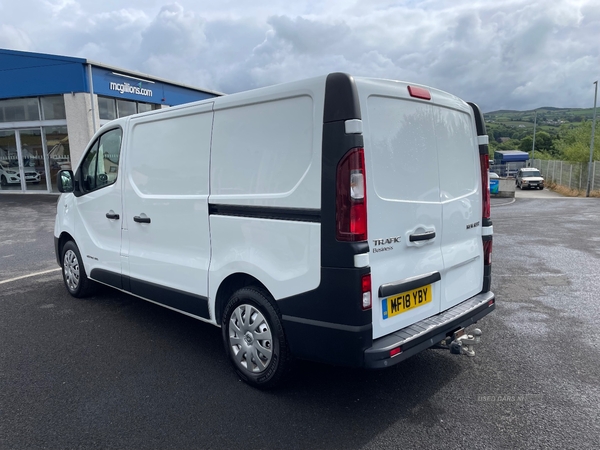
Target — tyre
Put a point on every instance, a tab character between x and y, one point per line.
254	339
541	188
76	281
3	181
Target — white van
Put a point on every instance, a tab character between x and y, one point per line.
335	219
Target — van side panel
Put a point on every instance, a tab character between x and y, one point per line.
264	154
265	194
328	323
167	167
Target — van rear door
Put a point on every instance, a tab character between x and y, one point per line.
423	195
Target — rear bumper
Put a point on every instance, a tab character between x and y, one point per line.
428	332
353	345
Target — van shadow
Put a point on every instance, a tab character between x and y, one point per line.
317	406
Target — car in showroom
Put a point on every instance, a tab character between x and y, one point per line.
9	173
529	177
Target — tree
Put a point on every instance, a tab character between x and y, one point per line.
511	144
574	143
526	144
543	142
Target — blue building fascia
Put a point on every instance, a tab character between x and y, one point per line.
26	74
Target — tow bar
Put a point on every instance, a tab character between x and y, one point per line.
460	343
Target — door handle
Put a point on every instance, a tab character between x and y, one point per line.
422	236
139	219
112	215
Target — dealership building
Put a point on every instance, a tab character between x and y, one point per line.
50	106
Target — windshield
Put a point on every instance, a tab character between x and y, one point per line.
531	173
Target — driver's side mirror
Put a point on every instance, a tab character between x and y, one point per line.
65	181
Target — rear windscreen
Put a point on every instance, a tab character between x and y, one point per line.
420	152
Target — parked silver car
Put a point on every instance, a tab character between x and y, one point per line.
529	177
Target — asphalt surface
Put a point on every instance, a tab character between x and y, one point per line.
113	371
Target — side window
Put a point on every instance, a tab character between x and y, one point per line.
88	169
101	163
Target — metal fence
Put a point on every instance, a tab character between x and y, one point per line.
569	174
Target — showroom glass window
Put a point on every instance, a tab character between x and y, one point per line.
53	108
19	110
107	108
110	108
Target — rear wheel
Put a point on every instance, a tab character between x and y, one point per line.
254	339
76	281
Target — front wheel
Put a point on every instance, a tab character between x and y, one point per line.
76	281
254	339
3	181
541	188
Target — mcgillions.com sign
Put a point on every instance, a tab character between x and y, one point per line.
126	88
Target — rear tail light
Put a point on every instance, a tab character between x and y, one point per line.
487	252
351	197
485	185
366	292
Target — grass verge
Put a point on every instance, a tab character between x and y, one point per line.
568	192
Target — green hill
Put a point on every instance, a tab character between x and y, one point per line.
547	115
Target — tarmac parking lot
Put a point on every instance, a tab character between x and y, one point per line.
113	371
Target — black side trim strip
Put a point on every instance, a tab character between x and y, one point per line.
386	290
333	326
180	300
107	277
58	256
266	212
183	301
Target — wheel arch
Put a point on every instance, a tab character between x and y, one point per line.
62	240
231	284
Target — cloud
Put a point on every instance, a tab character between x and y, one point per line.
517	54
13	37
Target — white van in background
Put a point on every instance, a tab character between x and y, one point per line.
335	219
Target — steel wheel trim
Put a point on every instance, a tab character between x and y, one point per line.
71	270
250	339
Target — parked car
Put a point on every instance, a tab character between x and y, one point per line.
9	174
529	178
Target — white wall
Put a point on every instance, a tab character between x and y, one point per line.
78	108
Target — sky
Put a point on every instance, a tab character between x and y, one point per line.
501	54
